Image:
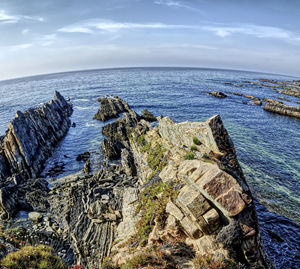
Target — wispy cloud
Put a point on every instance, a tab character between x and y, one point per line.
176	4
253	30
7	18
93	26
22	46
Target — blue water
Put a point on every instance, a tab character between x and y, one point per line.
268	145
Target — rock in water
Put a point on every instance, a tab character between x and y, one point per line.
31	137
217	94
148	116
111	107
292	111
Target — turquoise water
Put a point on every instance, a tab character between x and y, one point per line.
268	145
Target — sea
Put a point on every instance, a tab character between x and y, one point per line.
267	144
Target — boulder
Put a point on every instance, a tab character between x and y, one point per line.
35	216
148	116
217	94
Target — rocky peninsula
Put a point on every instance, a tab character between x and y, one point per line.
175	198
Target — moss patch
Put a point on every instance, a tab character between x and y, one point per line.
190	156
152	203
40	257
196	141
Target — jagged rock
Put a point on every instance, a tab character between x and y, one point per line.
292	111
217	94
111	107
148	116
128	163
32	135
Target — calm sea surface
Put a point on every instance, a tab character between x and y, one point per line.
268	145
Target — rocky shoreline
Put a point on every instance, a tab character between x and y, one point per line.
270	105
177	197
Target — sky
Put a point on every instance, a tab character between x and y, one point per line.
47	36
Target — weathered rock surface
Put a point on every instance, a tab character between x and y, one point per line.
31	137
292	111
111	107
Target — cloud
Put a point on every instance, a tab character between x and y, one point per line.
93	26
175	4
253	30
6	18
22	46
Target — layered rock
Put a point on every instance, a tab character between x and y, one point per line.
292	111
31	137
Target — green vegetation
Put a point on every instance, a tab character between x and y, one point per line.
152	207
194	148
197	141
146	147
14	236
190	156
208	261
29	257
140	140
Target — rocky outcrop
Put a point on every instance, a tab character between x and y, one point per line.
292	111
111	107
117	132
31	137
212	205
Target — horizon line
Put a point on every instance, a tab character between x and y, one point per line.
144	67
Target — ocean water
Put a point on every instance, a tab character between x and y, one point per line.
268	145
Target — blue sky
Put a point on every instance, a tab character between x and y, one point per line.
54	35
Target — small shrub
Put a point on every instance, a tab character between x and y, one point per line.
194	148
189	156
146	147
39	257
197	141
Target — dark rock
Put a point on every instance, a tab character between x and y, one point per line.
56	170
111	107
8	202
148	116
83	157
111	148
292	111
73	124
217	94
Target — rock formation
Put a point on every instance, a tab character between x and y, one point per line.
31	137
293	111
177	197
